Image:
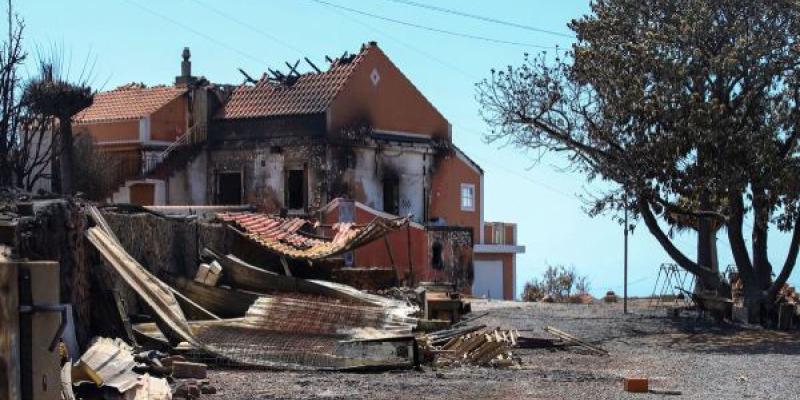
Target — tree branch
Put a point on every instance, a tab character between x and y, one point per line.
705	274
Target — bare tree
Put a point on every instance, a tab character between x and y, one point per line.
36	147
53	95
11	58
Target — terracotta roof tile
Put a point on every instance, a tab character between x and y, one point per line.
128	102
284	235
311	93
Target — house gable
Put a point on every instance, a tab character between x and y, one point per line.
377	92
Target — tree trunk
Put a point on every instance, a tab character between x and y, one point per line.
65	159
707	256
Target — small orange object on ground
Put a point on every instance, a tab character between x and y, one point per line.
636	385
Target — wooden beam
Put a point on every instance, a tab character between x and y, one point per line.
226	303
572	339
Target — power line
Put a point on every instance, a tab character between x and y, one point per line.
249	26
257	59
406	44
481	18
432	29
196	32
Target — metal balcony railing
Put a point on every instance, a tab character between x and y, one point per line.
194	135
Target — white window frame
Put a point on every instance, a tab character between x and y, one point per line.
471	187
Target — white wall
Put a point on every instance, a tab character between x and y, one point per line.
188	186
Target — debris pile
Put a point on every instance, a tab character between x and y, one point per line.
475	346
110	368
788	302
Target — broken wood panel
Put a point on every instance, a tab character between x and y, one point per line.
9	334
239	274
242	275
226	303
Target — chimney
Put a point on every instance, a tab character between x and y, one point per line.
186	65
186	69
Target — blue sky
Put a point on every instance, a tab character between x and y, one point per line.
141	40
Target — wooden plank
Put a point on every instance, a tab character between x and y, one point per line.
572	339
9	333
241	275
158	296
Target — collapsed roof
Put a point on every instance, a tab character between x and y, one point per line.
285	236
310	93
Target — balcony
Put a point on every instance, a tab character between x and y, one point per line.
499	237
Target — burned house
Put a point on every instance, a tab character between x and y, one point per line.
345	143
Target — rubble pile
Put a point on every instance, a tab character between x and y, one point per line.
112	369
163	326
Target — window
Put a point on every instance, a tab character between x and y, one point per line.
436	256
295	191
467	197
391	195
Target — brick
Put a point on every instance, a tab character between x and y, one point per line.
168	360
185	369
636	385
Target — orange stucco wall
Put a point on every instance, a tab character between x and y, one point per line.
166	124
508	270
169	121
445	201
393	104
127	130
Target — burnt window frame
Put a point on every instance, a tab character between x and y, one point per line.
288	198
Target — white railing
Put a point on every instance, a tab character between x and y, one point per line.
195	134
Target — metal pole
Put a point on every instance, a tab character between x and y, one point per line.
625	289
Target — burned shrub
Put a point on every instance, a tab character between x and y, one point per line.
557	284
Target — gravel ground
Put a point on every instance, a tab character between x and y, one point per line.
697	358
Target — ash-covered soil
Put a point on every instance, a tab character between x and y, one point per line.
698	358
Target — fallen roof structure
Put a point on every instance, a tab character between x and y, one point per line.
285	237
286	331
